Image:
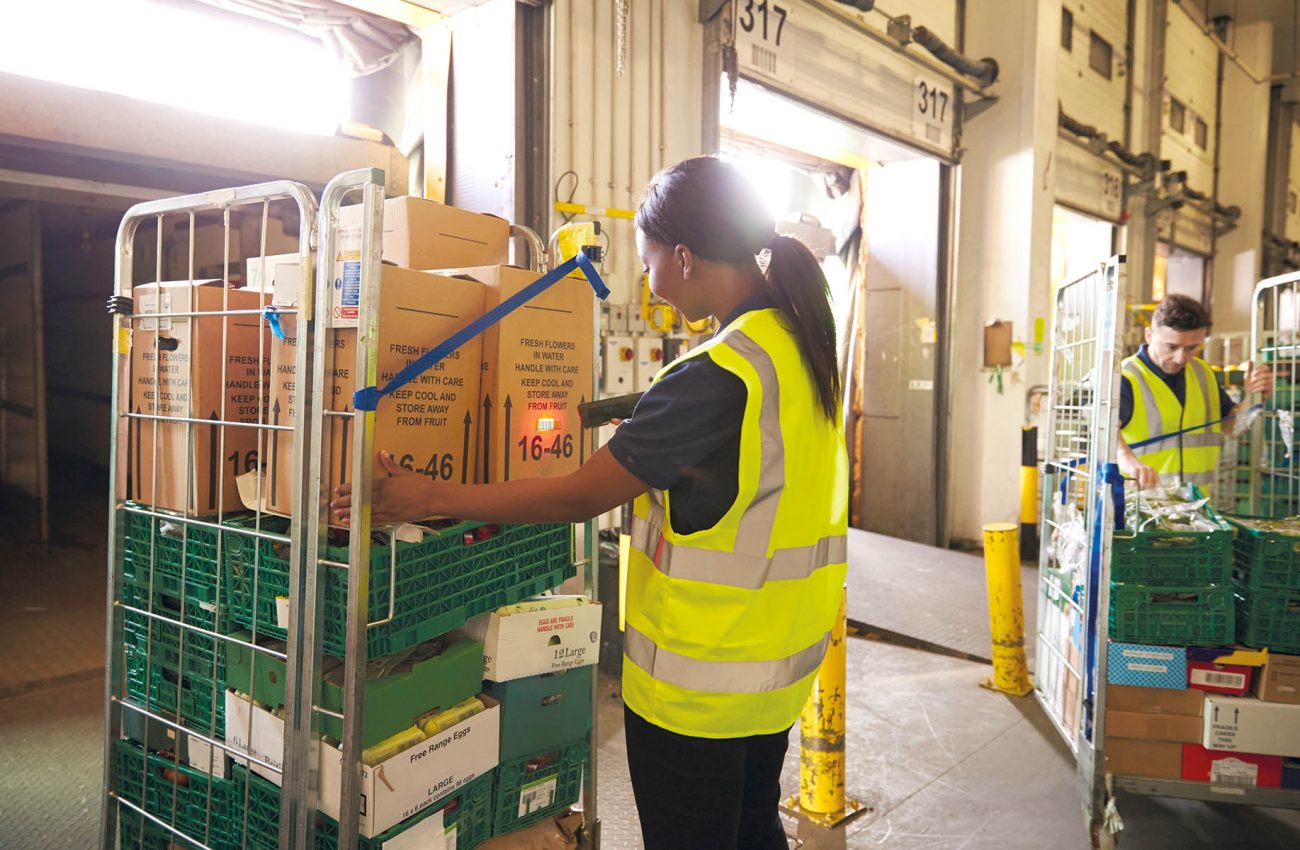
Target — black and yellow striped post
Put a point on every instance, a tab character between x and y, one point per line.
1029	494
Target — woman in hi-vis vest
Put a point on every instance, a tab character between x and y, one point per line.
736	465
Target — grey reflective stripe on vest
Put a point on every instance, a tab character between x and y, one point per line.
735	570
760	517
726	677
1153	417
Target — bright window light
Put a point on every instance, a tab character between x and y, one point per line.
207	63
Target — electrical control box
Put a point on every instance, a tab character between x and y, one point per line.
619	373
615	318
649	360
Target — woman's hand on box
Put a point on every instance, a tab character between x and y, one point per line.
397	495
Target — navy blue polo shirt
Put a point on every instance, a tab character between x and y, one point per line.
684	436
1177	385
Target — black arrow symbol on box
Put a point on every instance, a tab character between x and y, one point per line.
464	452
1216	714
582	436
213	461
275	449
487	434
343	454
505	434
1236	714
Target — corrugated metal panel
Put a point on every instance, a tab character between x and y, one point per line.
1191	77
1188	228
611	133
812	54
1292	200
1087	94
1084	181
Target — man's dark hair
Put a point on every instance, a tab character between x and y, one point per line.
1180	313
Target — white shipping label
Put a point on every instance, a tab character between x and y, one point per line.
932	110
1234	772
148	304
449	838
425	835
282	611
202	756
537	795
1218	679
764	38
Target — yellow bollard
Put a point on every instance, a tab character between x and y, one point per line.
821	763
1006	609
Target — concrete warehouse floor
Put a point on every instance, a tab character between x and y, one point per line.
938	761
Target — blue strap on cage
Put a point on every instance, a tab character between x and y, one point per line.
1111	477
1162	437
272	317
368	397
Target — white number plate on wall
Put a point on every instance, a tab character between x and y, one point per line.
761	43
932	110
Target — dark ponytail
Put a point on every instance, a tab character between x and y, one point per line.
800	288
707	205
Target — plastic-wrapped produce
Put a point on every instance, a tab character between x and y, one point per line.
1170	506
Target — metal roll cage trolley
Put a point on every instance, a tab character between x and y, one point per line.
170	624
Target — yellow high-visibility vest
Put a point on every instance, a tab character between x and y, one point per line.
1156	411
727	626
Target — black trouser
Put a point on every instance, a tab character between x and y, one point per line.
706	793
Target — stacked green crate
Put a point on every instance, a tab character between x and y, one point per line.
171	571
466	815
1173	588
189	801
440	582
1268	585
536	785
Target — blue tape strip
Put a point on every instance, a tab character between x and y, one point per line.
1172	434
368	398
272	317
1110	476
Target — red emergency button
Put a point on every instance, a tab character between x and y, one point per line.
626	354
656	354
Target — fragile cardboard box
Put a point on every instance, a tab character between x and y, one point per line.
177	370
1152	759
1233	769
392	790
1153	727
535	638
429	424
1146	666
1129	698
537	368
1252	726
1279	680
423	234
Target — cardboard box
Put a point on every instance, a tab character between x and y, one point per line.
423	234
1223	671
537	367
1152	759
1279	680
1146	666
537	638
1249	725
1291	773
542	712
1128	698
1234	769
429	424
1153	727
391	791
183	355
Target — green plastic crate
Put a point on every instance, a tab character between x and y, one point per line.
1174	558
189	800
1267	560
152	686
534	787
1269	619
203	654
1172	616
468	810
392	702
467	569
130	825
177	548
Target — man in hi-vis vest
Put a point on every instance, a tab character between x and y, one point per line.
1168	389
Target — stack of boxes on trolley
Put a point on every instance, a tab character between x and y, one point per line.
1203	662
477	694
